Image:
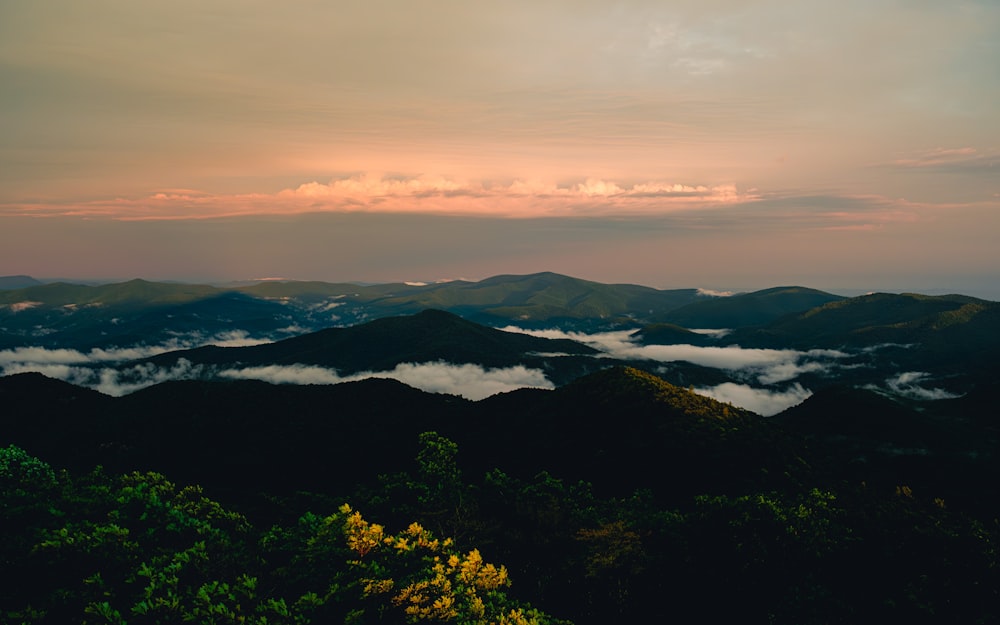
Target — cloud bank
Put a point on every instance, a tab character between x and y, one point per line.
96	370
417	194
110	380
28	356
764	402
909	385
767	366
467	380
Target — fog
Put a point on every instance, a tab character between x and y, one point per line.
467	380
766	366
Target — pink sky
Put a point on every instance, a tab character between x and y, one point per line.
727	144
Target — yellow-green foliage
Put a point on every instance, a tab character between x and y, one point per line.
429	579
631	382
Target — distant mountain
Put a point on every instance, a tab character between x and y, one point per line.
540	299
747	309
380	345
945	335
669	334
547	297
17	282
84	316
950	342
134	292
873	319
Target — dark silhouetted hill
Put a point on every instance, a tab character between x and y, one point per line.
747	309
17	282
428	336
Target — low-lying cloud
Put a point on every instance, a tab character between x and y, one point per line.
23	358
111	380
768	366
762	401
17	307
467	380
908	385
97	370
104	369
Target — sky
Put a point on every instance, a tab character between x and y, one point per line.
729	144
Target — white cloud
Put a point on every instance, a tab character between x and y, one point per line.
768	365
23	358
237	338
109	380
468	380
762	401
608	342
119	382
419	194
327	305
285	374
40	356
21	306
715	333
713	293
908	384
58	371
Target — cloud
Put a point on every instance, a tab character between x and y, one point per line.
952	160
80	376
762	401
41	356
713	293
285	374
715	333
416	194
908	385
109	380
608	342
239	338
21	306
28	356
119	382
470	381
784	371
769	366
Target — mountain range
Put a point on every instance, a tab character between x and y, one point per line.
613	444
87	316
895	375
902	344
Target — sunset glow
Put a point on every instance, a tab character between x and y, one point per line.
712	144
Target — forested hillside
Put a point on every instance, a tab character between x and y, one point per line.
606	500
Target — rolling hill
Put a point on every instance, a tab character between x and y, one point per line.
747	309
81	316
379	345
17	282
615	426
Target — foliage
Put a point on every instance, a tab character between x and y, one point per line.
139	549
22	474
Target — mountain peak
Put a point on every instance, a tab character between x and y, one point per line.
9	283
628	386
